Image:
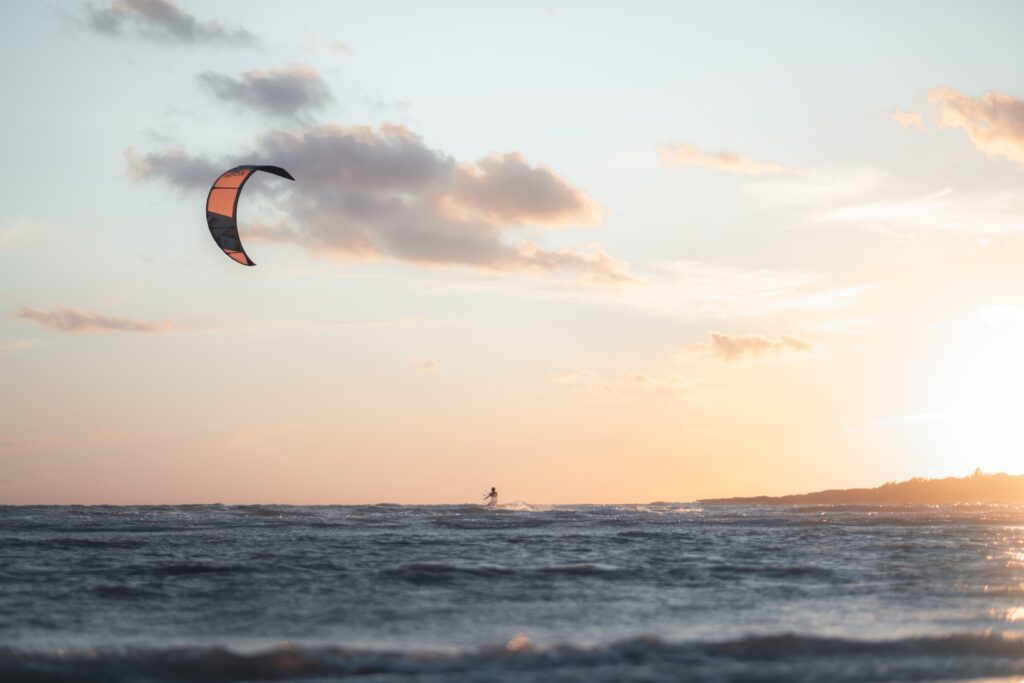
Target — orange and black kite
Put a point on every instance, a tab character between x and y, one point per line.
222	208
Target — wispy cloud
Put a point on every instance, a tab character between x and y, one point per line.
294	90
76	320
709	294
370	193
907	119
310	42
11	234
694	291
702	291
732	348
164	21
642	384
340	47
675	154
813	187
878	201
671	385
980	211
994	123
425	364
635	386
19	344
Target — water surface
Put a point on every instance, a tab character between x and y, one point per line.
521	593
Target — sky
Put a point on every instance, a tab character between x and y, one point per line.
582	252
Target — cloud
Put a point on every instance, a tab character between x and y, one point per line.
994	123
341	48
980	211
176	166
11	345
75	320
309	42
675	154
907	119
293	90
381	193
694	291
732	348
504	188
13	234
700	291
869	198
426	364
162	20
642	384
819	186
635	385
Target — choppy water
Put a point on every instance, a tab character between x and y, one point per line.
457	593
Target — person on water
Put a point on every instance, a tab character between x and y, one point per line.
492	497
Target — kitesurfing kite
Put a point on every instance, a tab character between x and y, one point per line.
222	208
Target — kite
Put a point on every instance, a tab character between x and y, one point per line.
222	206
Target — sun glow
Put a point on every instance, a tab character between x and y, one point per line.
987	411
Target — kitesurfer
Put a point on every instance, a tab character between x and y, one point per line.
492	498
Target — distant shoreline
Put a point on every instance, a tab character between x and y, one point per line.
977	488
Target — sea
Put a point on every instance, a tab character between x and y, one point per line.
519	593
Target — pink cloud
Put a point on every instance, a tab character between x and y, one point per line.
731	348
75	320
994	123
907	119
675	154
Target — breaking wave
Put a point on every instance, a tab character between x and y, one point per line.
770	658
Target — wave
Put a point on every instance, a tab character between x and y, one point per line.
439	573
188	568
520	506
279	511
772	571
583	569
763	658
483	518
442	573
422	573
72	542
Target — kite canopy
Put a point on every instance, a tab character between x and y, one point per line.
222	208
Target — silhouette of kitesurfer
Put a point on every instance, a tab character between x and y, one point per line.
492	498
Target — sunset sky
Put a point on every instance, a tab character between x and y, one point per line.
582	252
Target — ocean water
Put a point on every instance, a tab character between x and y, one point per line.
662	592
